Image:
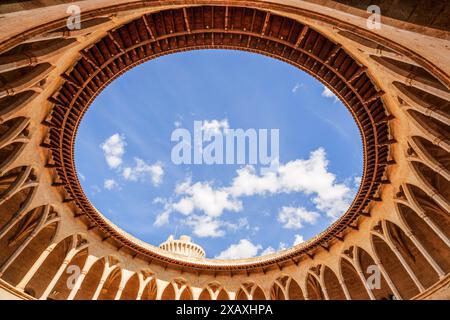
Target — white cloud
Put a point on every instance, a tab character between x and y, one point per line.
113	149
215	126
142	170
292	218
82	176
184	206
205	226
162	218
110	184
243	249
297	87
327	93
177	124
298	239
310	176
202	196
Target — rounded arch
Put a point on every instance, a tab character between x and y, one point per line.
375	278
14	135
242	295
92	280
250	291
430	153
169	292
394	268
150	291
111	285
433	181
295	292
186	294
15	235
258	294
223	295
332	285
30	253
44	275
214	291
411	254
61	290
314	288
355	287
432	243
205	295
276	292
17	188
131	288
429	208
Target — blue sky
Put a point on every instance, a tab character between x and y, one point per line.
123	153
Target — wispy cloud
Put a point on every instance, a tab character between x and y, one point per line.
110	184
142	170
114	149
297	87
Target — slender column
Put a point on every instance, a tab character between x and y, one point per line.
13	189
436	229
436	196
178	292
388	279
105	274
407	268
427	256
18	251
119	292
324	289
142	285
126	276
364	281
344	288
37	264
196	293
58	274
414	205
40	226
161	284
87	266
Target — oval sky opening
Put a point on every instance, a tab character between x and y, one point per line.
125	163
